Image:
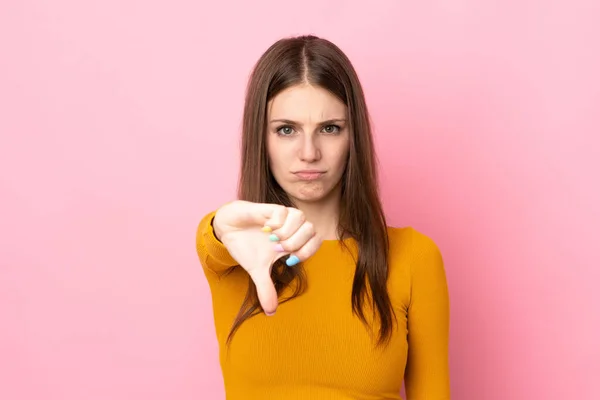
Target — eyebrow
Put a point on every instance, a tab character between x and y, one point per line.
290	122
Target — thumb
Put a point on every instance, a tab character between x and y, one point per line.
265	289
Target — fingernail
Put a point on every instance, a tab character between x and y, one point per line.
270	314
293	260
267	229
279	248
273	238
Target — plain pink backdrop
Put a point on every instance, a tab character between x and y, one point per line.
119	127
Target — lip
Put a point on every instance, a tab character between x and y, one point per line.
309	175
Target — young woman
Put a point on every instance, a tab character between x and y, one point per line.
314	296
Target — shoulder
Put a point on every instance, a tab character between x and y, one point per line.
410	239
413	249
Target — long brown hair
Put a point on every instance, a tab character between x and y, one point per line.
309	59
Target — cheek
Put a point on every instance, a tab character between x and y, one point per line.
340	156
275	154
270	148
282	150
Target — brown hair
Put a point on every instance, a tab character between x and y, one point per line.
309	59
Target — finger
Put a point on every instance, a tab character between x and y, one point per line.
265	289
305	252
298	238
275	216
260	213
293	221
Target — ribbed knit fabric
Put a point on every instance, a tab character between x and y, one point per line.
314	347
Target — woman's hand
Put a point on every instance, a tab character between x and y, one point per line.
258	234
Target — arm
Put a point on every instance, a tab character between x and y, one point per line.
213	254
427	370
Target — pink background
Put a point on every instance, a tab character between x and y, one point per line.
119	126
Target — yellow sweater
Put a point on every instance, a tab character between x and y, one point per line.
314	347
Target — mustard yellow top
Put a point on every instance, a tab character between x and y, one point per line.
314	347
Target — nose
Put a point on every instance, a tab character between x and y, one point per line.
309	151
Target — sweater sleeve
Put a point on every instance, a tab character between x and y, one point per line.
213	254
427	370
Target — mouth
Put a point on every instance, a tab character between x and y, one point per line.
309	175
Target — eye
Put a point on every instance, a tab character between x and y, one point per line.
331	129
285	130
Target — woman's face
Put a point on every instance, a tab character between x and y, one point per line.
307	141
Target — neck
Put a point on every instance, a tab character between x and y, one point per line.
323	214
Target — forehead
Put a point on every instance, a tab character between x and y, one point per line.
306	103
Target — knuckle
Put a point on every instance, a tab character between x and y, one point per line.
302	253
291	244
301	218
279	216
309	226
306	251
282	210
295	212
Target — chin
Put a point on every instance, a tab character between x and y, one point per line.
310	193
307	199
